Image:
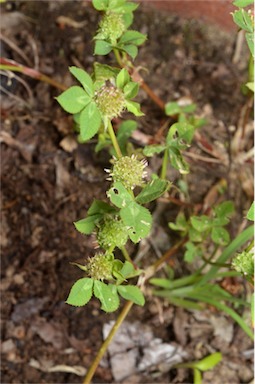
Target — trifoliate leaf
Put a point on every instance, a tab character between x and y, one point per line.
119	196
90	121
191	252
243	20
108	296
152	191
220	236
102	47
132	293
128	270
134	108
74	99
84	78
81	292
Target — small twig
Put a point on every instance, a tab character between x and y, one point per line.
13	46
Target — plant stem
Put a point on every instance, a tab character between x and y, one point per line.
114	140
168	254
107	341
164	165
9	65
126	255
118	58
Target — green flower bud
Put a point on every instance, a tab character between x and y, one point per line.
110	101
112	233
111	27
244	263
129	171
100	267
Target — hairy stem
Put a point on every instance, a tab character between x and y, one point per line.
114	140
107	341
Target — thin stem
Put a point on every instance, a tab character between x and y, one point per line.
208	261
114	140
126	255
118	58
164	165
13	67
168	254
107	341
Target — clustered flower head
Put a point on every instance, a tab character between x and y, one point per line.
110	101
100	267
244	263
129	171
112	233
111	27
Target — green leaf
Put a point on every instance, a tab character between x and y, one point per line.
131	50
250	41
100	5
124	132
243	20
74	99
176	159
163	283
84	78
191	252
209	362
250	86
90	121
132	37
119	196
138	218
87	225
134	108
108	296
103	72
180	224
81	292
201	223
100	207
152	191
132	293
190	108
220	236
224	209
250	213
102	47
122	79
242	3
151	150
128	270
194	235
172	108
131	89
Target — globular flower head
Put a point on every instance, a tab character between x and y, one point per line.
100	267
112	233
110	101
111	27
244	263
129	171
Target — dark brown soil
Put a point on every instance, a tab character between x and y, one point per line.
49	181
